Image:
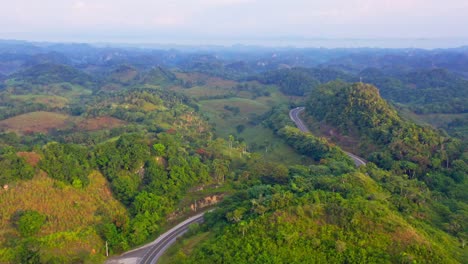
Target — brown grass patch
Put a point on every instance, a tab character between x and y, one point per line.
35	122
69	210
98	123
407	236
32	158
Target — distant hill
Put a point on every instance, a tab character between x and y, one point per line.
158	75
296	81
52	73
48	58
395	60
124	74
299	81
425	91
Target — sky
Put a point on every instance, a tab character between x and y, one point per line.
269	22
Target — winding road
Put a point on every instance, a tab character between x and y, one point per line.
150	253
294	115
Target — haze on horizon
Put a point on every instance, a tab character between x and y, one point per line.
332	23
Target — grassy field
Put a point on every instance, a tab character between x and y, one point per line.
43	122
202	91
257	137
49	100
435	120
238	114
36	122
98	123
202	79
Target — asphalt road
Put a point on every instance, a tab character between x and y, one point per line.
151	252
294	115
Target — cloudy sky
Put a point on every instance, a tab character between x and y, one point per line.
231	21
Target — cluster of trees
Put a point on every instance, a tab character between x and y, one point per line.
66	162
14	168
150	179
290	81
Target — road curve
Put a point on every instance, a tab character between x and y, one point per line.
165	240
294	115
150	253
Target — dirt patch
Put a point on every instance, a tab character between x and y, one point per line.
408	236
32	158
206	201
98	123
35	122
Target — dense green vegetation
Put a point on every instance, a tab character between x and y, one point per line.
128	140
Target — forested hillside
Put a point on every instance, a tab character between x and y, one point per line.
112	145
136	149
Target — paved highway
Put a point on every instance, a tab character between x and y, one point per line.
294	115
167	239
151	252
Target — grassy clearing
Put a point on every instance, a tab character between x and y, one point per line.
246	106
202	91
49	100
205	80
36	122
98	123
227	122
257	137
67	90
435	120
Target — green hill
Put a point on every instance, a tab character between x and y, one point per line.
358	110
158	75
52	73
